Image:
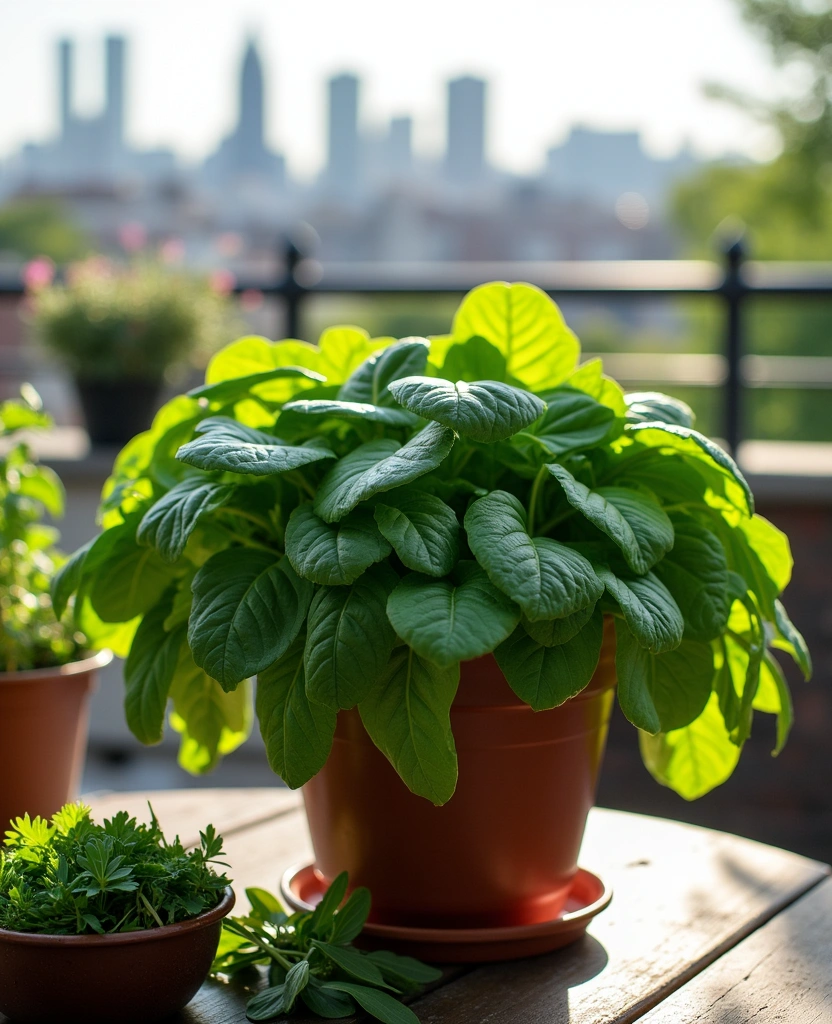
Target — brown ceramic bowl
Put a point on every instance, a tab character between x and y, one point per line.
130	977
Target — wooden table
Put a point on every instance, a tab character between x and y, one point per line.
703	926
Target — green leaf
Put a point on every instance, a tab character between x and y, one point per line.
352	411
297	978
239	387
546	578
474	359
573	420
653	407
126	579
40	483
631	519
589	378
149	672
342	349
695	572
67	579
695	759
545	677
408	718
649	610
324	912
773	698
380	466
422	529
249	605
266	1004
484	410
405	968
378	1004
297	733
662	692
525	325
693	445
356	964
252	355
333	554
552	632
368	384
326	1002
168	523
227	445
449	621
349	639
790	639
771	546
351	918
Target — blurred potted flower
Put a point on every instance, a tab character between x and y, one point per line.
121	330
46	673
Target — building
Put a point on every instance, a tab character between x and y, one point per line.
342	176
465	156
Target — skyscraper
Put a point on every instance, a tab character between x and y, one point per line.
465	152
344	146
400	146
114	103
65	55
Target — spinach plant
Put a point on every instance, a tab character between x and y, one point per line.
73	877
311	959
349	521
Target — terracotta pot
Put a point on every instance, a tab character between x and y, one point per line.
504	849
43	736
129	977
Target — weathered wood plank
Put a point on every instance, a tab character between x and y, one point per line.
780	973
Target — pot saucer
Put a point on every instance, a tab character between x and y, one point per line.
302	888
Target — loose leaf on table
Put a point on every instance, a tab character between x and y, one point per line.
266	1005
324	407
326	1003
696	574
447	620
225	444
297	978
249	605
168	524
349	639
649	609
633	520
525	325
573	420
368	383
422	529
238	387
378	1004
653	407
546	578
545	677
662	692
380	466
333	554
483	410
407	715
297	732
149	672
404	968
354	963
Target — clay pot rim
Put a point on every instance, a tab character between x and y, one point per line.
97	660
168	931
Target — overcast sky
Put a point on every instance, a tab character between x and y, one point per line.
606	63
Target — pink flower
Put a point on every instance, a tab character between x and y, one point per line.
38	273
132	236
222	281
172	251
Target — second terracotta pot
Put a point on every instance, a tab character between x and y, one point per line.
504	849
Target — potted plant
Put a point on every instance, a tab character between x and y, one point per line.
107	922
437	562
120	330
47	672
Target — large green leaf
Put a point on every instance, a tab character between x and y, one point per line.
696	574
352	411
380	466
474	359
631	519
337	553
553	632
227	391
126	579
653	407
695	759
452	620
342	349
349	640
168	523
249	605
573	420
661	692
526	326
297	732
545	677
484	410
225	444
149	672
408	718
67	579
546	578
589	377
649	610
368	384
423	530
252	355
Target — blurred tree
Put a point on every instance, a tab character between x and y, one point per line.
39	227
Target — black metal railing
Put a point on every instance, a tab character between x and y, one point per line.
735	281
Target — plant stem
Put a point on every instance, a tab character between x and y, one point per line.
542	473
151	908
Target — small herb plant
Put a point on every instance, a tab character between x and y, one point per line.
349	521
311	959
32	636
73	877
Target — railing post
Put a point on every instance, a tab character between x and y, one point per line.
734	291
291	291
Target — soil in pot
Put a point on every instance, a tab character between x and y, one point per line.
43	736
116	410
504	850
